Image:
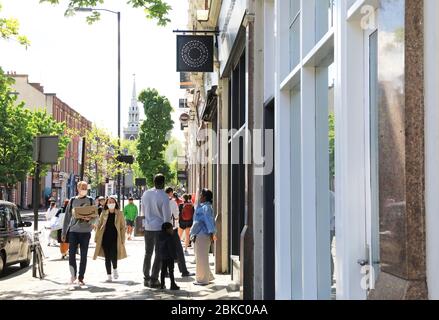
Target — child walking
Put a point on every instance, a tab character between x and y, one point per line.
110	237
168	254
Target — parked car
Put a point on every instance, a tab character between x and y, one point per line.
15	242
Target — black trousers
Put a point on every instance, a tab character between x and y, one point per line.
83	240
110	251
180	254
167	264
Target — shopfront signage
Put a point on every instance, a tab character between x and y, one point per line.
194	53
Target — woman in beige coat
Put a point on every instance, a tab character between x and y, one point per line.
110	237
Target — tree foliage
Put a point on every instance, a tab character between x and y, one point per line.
131	148
154	9
101	156
19	127
173	151
154	132
10	30
15	138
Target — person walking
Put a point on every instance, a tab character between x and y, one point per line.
100	203
156	211
203	234
50	213
168	254
130	212
79	232
110	237
174	206
186	220
180	254
57	227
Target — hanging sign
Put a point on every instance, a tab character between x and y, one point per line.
194	53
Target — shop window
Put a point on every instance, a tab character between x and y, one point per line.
324	10
294	33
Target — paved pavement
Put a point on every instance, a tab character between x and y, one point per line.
19	284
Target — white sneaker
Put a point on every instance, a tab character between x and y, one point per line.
109	279
115	274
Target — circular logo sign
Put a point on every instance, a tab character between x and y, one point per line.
184	117
195	53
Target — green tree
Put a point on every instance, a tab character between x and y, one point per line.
10	30
101	153
131	147
173	151
16	139
19	127
154	9
153	135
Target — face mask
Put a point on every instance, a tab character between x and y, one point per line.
111	206
83	193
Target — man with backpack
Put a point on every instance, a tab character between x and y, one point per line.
180	254
78	231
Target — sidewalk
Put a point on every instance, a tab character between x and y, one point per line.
21	284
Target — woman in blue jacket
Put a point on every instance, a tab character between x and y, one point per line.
202	234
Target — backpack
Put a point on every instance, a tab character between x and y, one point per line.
187	213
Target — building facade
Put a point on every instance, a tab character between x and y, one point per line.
356	78
67	173
35	98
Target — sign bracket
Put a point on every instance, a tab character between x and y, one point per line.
216	32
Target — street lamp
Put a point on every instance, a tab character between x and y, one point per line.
80	9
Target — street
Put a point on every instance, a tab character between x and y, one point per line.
18	283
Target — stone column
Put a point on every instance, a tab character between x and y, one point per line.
246	240
401	151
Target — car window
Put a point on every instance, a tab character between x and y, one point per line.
12	215
3	214
17	215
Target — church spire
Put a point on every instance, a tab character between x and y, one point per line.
132	131
134	97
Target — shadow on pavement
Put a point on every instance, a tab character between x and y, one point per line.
13	271
41	295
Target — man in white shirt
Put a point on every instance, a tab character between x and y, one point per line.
156	210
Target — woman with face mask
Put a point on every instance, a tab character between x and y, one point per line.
110	237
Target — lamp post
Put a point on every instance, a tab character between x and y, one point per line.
118	82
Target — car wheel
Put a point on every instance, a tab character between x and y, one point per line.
26	263
2	262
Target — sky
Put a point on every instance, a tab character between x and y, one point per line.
78	61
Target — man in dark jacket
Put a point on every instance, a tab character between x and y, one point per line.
168	254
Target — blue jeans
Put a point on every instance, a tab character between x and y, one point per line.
83	240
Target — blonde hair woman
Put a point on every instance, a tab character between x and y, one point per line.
110	237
